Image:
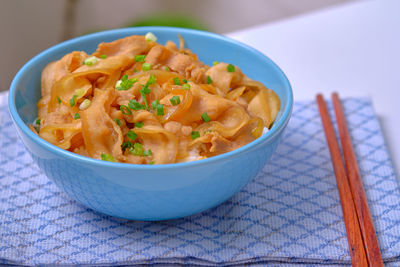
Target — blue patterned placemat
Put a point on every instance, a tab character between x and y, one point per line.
289	214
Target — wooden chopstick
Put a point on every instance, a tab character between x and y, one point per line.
354	236
357	189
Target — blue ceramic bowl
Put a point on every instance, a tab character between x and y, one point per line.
151	192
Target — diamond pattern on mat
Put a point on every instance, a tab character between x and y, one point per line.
289	214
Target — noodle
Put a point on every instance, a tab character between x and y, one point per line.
136	101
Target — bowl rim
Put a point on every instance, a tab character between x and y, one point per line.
271	134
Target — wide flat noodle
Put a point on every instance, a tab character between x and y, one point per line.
129	46
60	134
163	144
100	133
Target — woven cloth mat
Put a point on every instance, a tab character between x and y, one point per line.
289	215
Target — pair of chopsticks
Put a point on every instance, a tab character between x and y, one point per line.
363	244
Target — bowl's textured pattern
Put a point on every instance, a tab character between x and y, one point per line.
290	213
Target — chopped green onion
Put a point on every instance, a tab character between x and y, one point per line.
230	68
160	110
125	110
131	135
150	37
186	86
139	124
177	81
103	56
152	162
135	70
147	153
107	157
209	80
155	103
36	124
125	83
77	116
146	66
90	61
133	104
137	149
79	92
85	104
118	121
184	80
58	100
175	100
145	91
152	80
72	101
140	58
126	145
167	68
205	117
215	63
195	134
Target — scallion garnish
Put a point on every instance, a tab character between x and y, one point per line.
125	110
184	80
107	157
126	145
177	81
155	103
205	117
160	110
150	37
103	56
209	80
146	66
137	149
79	92
215	63
58	100
195	134
140	58
72	101
147	153
133	104
131	135
77	116
139	124
175	100
230	68
90	61
36	124
118	121
152	162
85	104
167	68
125	83
152	79
186	86
145	91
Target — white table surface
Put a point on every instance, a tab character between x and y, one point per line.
353	49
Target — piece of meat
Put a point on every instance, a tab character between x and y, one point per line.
128	46
178	62
56	70
223	79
